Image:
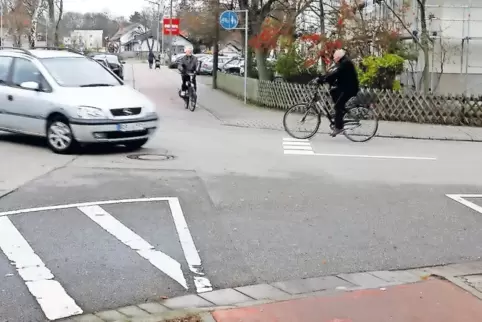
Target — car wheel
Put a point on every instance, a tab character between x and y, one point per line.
135	145
60	138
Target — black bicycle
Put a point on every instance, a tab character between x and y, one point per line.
356	115
190	97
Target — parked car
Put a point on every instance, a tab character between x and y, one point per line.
201	59
233	66
71	100
207	65
175	61
114	63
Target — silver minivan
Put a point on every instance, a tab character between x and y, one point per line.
71	100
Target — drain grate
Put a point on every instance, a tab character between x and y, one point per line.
151	157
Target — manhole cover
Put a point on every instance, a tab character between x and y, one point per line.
150	157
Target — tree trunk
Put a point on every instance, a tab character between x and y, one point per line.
425	47
322	30
17	39
32	35
263	73
217	9
57	25
51	24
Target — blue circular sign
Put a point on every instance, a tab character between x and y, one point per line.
229	20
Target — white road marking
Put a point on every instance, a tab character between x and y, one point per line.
461	199
187	243
157	258
83	204
296	143
299	152
297	147
51	296
375	156
202	283
295	140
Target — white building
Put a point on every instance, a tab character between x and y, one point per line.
85	39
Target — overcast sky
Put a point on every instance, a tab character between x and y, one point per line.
115	7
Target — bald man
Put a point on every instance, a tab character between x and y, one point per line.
343	81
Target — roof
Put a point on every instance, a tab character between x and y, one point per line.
152	34
123	30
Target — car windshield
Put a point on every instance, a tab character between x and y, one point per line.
79	72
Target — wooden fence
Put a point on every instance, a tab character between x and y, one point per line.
389	105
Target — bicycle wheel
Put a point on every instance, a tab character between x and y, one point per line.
193	99
302	114
360	124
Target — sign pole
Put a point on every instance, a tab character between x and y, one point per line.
246	58
170	35
229	21
158	24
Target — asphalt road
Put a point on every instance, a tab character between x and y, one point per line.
254	213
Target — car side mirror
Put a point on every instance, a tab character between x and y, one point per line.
34	86
123	62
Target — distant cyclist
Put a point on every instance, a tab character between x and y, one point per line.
343	81
188	65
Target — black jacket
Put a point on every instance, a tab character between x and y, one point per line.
343	77
188	64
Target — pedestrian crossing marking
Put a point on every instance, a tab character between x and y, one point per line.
51	296
297	147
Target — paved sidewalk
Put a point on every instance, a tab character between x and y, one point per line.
433	300
231	111
445	293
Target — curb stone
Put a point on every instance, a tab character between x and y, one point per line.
467	276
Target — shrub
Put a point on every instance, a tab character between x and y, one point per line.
380	72
288	64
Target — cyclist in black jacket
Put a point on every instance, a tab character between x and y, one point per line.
188	64
343	81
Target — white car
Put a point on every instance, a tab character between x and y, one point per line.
70	99
207	64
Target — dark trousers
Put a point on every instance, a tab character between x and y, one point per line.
185	80
340	99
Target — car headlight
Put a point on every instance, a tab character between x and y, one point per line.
89	112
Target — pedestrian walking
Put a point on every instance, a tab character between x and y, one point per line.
150	59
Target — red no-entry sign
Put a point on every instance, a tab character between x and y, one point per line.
171	26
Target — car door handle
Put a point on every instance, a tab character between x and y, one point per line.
10	97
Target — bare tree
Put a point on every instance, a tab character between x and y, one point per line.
447	52
17	19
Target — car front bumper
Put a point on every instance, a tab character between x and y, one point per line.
108	131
